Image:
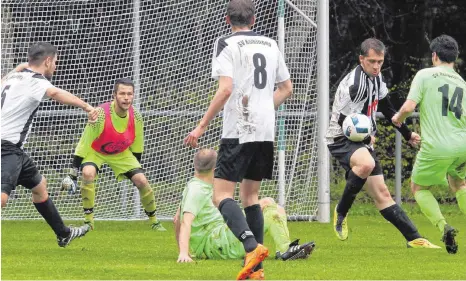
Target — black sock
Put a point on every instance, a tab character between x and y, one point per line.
400	220
255	220
236	221
52	217
354	184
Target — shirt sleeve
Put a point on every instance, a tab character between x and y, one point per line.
416	91
40	86
222	60
383	90
91	132
282	71
138	144
194	200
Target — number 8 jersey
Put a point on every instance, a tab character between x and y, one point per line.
255	64
439	91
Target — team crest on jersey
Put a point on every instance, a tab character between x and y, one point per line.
114	147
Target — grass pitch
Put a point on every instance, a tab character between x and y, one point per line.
130	250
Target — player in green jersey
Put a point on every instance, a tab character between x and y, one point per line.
201	230
117	139
439	92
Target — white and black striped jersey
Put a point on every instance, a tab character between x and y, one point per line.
255	64
356	93
22	93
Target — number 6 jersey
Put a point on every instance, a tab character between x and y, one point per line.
255	64
439	91
22	93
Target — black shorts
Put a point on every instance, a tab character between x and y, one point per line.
17	169
251	160
342	149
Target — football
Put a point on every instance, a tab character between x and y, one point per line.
356	127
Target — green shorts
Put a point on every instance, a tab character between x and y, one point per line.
120	163
223	244
428	171
270	215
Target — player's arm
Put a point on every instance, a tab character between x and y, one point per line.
185	233
284	85
19	68
225	88
388	110
283	92
137	148
222	69
65	97
406	110
176	222
416	93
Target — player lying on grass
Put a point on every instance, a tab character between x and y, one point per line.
201	230
22	91
117	138
439	92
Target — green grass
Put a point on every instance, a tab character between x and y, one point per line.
130	250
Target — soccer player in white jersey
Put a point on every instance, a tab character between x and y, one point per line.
364	91
22	91
247	67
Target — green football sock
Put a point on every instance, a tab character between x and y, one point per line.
277	227
88	196
461	199
148	202
430	208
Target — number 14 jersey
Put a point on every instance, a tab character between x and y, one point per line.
439	91
255	64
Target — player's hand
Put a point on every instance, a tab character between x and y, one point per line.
396	120
184	258
193	137
22	67
415	139
92	114
373	139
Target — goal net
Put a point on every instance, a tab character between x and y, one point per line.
166	47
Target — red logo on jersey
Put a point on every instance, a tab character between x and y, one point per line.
372	107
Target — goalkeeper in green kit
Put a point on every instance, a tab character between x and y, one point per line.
201	230
439	92
117	138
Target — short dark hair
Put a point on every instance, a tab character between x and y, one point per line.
39	51
372	43
445	47
241	12
205	160
122	81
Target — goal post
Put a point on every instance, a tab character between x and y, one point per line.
166	48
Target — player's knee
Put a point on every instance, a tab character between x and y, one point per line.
4	199
216	201
140	181
88	174
456	183
364	170
383	195
267	201
414	187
